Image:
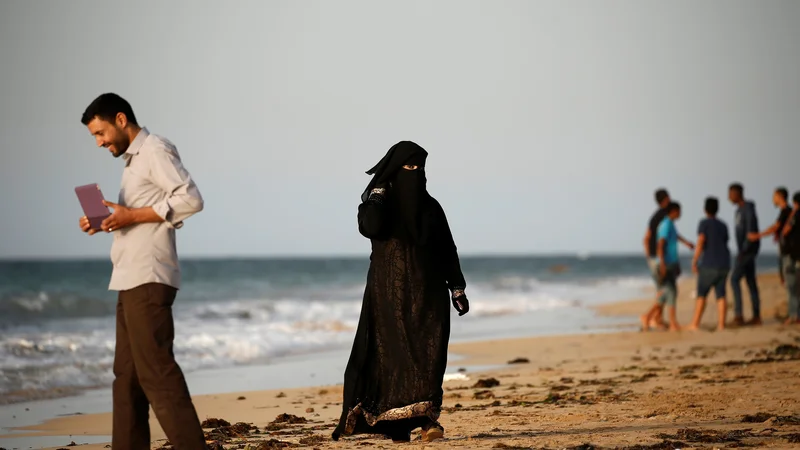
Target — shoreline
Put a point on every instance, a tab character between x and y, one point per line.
336	354
594	351
492	326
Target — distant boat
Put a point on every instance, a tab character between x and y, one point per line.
583	256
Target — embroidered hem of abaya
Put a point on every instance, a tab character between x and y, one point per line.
421	409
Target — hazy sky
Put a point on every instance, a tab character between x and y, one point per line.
548	123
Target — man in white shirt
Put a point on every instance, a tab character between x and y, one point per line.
157	194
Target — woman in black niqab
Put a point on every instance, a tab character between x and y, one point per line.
393	380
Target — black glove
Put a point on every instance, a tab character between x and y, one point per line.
377	195
461	304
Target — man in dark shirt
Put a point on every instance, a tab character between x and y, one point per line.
785	267
791	242
711	263
745	267
650	247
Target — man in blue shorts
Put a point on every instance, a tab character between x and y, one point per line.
668	269
711	263
651	245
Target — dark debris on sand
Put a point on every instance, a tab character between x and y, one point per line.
283	421
560	388
604	395
644	377
787	350
223	432
783	352
238	430
510	447
272	444
483	395
793	438
762	417
289	418
215	423
708	436
599	382
519	361
663	445
314	440
485	383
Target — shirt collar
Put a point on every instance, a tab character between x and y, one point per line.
137	143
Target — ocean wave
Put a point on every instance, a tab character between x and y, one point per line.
78	353
25	306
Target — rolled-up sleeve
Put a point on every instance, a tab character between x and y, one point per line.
183	198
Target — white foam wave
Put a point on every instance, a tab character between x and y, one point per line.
455	377
79	353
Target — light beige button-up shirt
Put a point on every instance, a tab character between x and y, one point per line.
154	176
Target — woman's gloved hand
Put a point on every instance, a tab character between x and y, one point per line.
378	193
460	302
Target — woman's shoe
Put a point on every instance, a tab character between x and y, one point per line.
433	433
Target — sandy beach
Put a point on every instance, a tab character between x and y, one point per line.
632	390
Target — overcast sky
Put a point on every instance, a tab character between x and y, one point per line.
548	123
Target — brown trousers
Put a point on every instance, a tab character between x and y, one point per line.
146	373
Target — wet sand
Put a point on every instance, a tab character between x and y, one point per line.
655	390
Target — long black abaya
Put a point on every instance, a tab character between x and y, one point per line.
393	380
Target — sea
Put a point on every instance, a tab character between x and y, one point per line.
57	325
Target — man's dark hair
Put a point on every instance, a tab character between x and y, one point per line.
712	205
796	197
673	206
783	192
661	195
737	187
106	107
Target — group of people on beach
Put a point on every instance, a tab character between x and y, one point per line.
711	262
393	380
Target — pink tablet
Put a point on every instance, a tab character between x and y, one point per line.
91	199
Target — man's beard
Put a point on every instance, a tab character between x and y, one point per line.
121	146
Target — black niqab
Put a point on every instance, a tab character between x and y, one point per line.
402	153
407	189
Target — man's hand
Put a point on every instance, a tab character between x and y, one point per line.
662	269
121	217
753	236
694	267
86	227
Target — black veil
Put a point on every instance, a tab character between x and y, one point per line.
399	155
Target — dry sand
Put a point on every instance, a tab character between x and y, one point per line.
656	390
